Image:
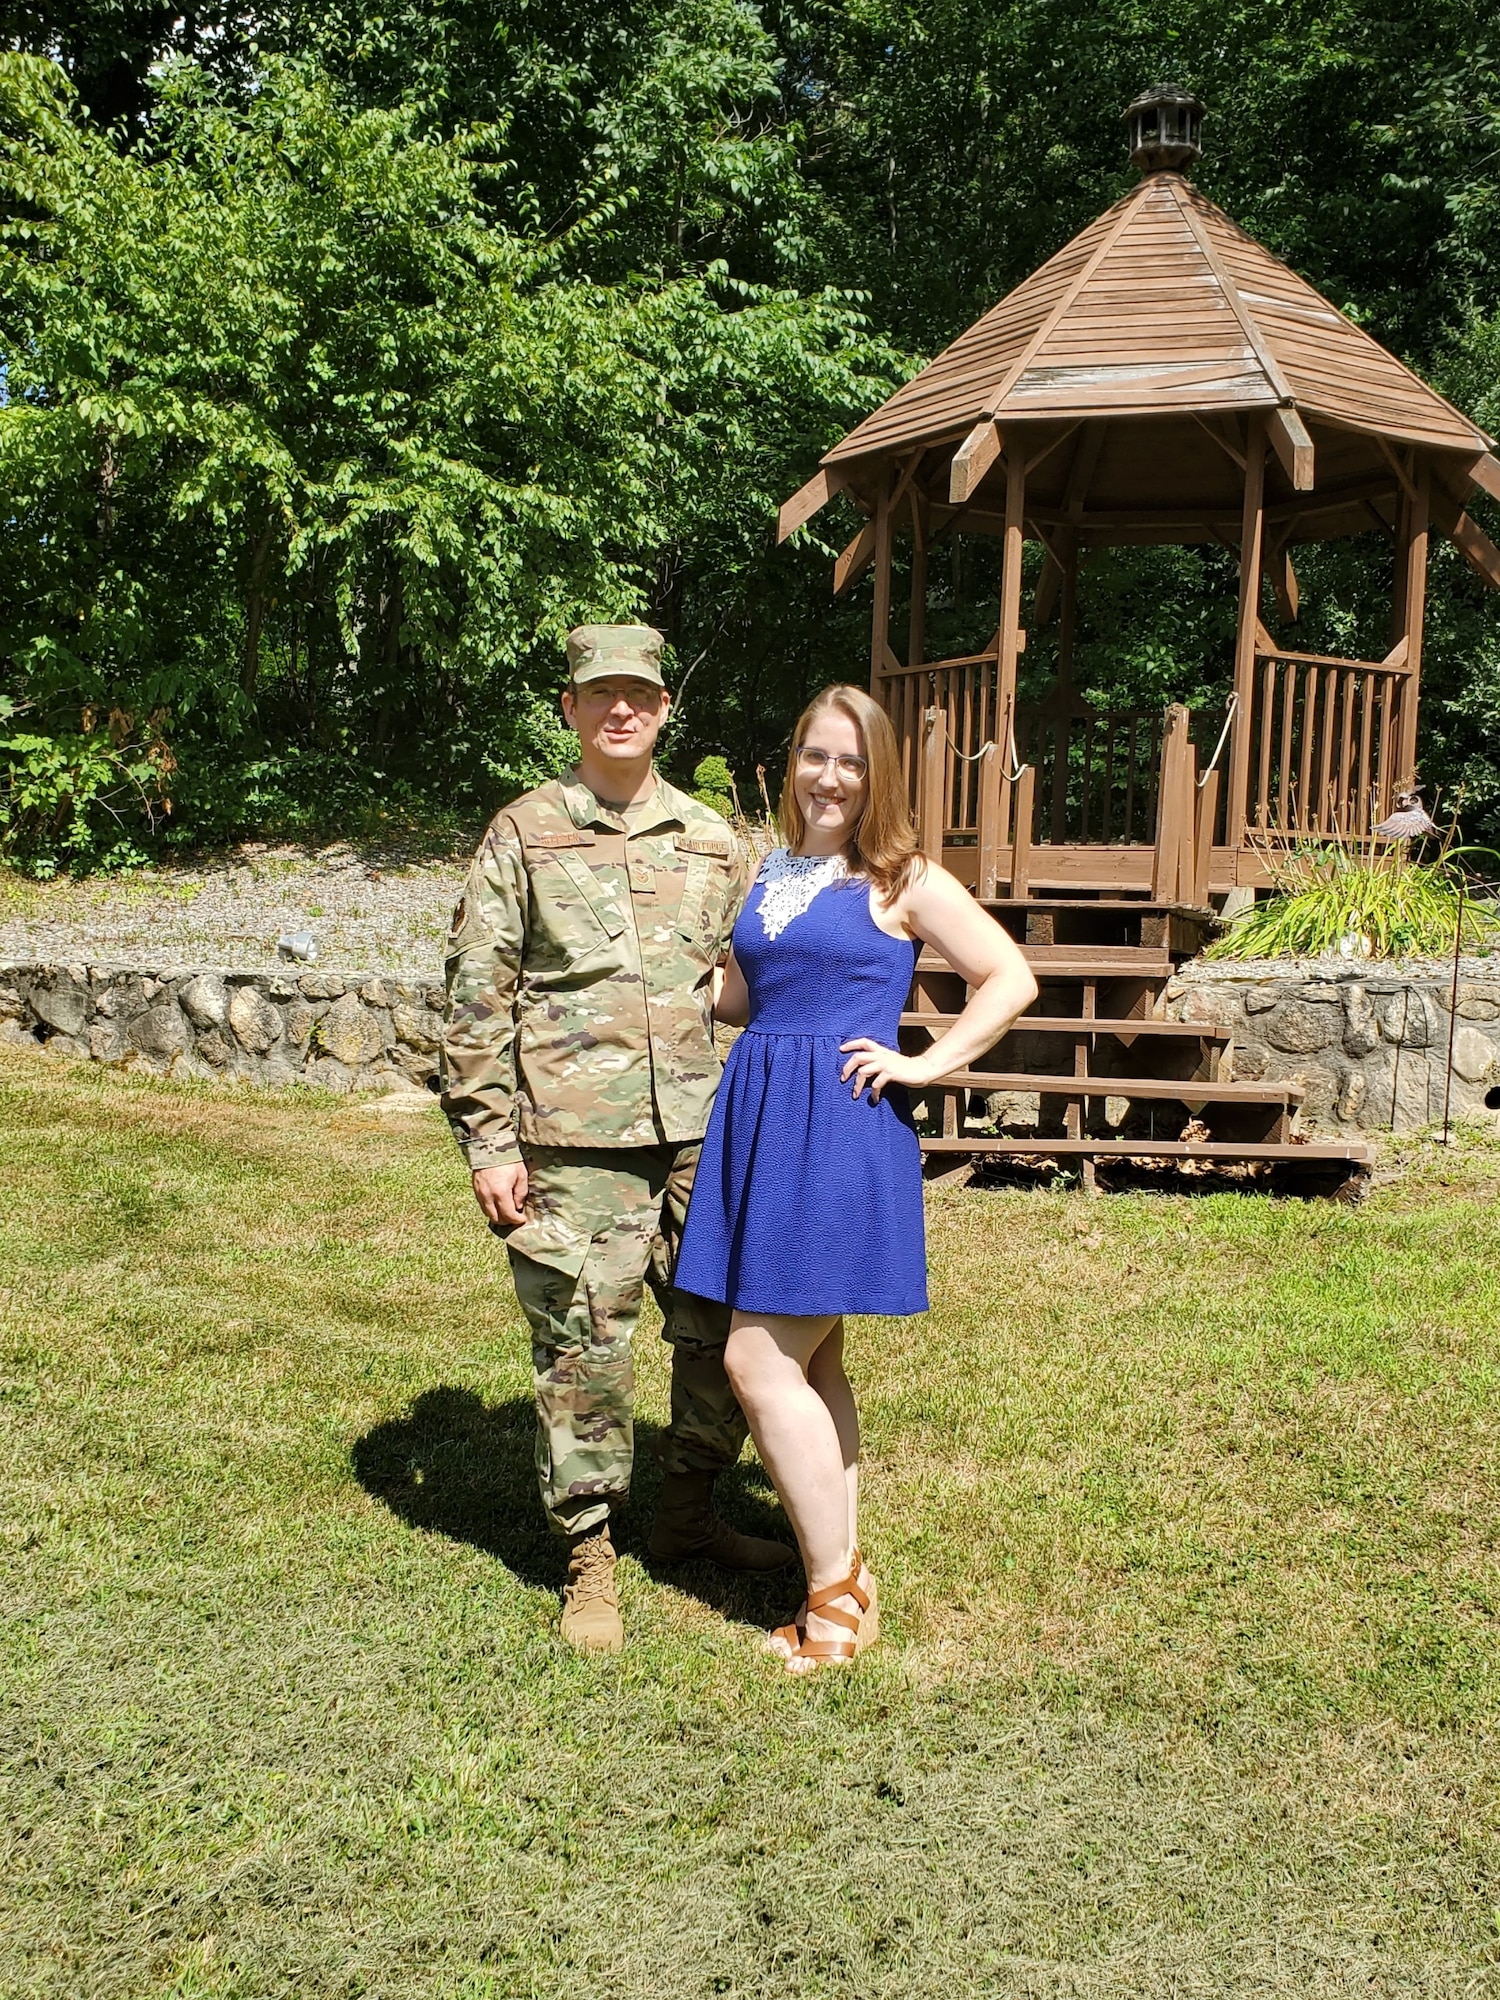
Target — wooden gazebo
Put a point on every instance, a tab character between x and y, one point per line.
1162	379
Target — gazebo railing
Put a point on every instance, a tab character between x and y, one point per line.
1096	774
963	692
1323	743
1325	739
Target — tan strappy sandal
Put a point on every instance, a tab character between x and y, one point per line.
791	1634
863	1627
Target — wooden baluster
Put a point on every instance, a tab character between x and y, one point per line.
1325	748
1110	722
1127	831
1264	727
965	814
1362	819
1086	796
1387	745
906	692
1288	718
948	702
1304	813
1204	819
1346	752
1060	730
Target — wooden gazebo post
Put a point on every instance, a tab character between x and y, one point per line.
880	616
1247	624
996	785
1410	606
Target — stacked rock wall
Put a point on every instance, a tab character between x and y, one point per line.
333	1030
1369	1048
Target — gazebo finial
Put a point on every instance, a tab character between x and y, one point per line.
1166	127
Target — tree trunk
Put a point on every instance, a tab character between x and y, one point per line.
260	555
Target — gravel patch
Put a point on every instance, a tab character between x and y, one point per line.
380	912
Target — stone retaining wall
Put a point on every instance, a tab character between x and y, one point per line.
1361	1043
1369	1047
335	1030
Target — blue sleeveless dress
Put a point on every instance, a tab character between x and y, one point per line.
807	1200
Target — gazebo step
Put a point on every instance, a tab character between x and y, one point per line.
1104	922
1079	961
1322	1152
1192	1091
1127	1030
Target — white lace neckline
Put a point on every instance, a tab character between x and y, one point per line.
789	882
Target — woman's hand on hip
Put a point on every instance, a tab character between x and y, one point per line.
873	1066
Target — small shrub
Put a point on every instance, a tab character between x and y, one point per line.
713	785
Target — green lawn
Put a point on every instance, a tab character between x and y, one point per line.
1184	1509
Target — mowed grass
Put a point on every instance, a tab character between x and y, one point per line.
1184	1509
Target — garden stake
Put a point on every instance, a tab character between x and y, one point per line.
1458	940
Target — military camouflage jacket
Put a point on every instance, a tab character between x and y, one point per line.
580	971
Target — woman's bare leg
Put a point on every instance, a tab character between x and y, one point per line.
798	1437
825	1372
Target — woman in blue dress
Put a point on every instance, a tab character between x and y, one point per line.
807	1203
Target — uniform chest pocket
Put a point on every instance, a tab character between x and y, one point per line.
577	905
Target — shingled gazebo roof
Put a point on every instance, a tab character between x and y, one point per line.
1163	304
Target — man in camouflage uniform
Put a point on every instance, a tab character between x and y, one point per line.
579	1070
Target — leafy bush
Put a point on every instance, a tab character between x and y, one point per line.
1331	900
713	785
82	799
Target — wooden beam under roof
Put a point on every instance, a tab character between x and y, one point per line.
1284	583
854	559
1485	473
1294	447
973	460
1465	533
807	499
1476	548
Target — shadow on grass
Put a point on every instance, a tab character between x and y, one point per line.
453	1464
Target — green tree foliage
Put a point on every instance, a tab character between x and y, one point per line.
306	447
371	349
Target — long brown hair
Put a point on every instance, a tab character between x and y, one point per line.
883	845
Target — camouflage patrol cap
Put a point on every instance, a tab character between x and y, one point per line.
597	651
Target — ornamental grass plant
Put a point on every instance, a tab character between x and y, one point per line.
1330	900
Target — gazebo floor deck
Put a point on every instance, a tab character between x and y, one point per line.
1121	872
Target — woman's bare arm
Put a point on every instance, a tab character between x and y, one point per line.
732	1002
943	914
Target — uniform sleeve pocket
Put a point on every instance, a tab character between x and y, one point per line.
710	859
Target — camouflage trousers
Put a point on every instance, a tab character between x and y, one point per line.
601	1223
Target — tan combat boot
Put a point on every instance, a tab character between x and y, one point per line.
591	1605
686	1527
